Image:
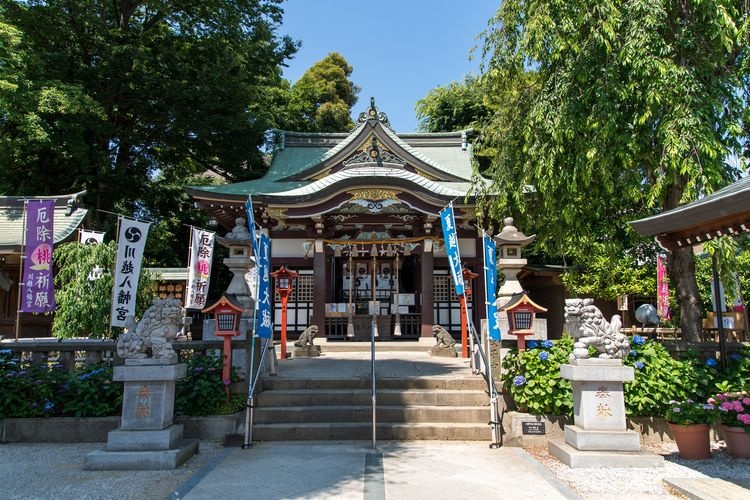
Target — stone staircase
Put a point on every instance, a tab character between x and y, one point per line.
333	409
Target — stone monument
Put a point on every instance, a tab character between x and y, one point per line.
599	436
147	438
445	344
304	347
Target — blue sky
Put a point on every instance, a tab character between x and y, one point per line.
399	49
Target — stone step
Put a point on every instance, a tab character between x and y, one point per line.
363	431
439	383
339	397
363	413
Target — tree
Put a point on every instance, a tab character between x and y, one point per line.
322	99
83	290
456	106
613	111
109	94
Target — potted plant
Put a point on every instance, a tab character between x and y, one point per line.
734	416
689	422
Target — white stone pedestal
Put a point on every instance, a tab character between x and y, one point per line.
147	438
599	436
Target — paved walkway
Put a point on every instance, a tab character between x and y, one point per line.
352	470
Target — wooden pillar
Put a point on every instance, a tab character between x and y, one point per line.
319	288
426	271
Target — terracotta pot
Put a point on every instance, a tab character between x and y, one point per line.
737	440
693	441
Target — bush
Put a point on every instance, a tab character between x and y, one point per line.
202	391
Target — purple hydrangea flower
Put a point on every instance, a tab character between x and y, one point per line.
519	380
640	365
198	369
544	355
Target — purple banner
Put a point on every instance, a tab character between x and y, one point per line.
38	289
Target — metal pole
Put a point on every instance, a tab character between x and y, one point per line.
397	328
374	394
719	313
250	404
494	416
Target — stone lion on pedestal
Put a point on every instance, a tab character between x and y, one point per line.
306	338
586	323
160	324
442	337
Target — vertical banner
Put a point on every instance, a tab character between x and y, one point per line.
201	255
264	328
451	247
490	278
131	240
662	288
251	225
38	288
87	237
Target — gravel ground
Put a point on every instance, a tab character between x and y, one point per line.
615	483
54	471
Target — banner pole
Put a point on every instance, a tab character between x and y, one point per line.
20	269
494	417
250	403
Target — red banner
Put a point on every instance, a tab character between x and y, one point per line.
662	288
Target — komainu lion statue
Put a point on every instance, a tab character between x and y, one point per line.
306	338
160	324
442	337
585	322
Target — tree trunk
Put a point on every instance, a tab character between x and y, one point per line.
681	266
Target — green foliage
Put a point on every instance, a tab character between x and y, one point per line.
322	99
690	412
40	390
733	257
202	391
606	112
456	106
542	390
83	299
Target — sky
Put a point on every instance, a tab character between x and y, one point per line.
399	50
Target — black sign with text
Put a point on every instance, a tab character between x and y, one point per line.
533	428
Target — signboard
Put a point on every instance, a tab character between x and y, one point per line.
451	247
265	326
533	428
490	278
131	240
201	255
38	295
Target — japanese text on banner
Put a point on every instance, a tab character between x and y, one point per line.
264	321
131	241
38	289
201	255
662	285
490	270
451	247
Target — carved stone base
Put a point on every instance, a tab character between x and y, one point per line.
443	352
306	352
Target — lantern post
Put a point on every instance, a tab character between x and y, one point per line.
468	277
227	316
521	311
284	288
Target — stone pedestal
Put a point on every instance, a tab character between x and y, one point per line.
599	436
306	351
443	352
147	438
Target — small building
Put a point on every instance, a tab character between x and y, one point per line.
68	217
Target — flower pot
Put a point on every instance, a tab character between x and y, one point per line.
693	441
737	440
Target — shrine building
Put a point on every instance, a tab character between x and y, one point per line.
356	215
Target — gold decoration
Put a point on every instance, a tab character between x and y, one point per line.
276	213
324	173
425	174
375	194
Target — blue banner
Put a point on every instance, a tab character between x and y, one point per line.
451	247
251	225
490	278
264	329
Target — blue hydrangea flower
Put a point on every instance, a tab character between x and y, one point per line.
547	344
712	362
5	351
48	406
532	344
519	380
638	340
735	356
198	369
544	355
640	365
633	353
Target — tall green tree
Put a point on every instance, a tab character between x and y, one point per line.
456	106
322	99
614	110
109	94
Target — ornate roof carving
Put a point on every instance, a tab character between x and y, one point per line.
372	113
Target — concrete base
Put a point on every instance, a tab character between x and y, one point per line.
602	440
103	459
161	440
576	459
443	352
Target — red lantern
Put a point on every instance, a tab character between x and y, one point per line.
521	312
227	316
284	287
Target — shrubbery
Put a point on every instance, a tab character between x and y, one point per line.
532	378
48	390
